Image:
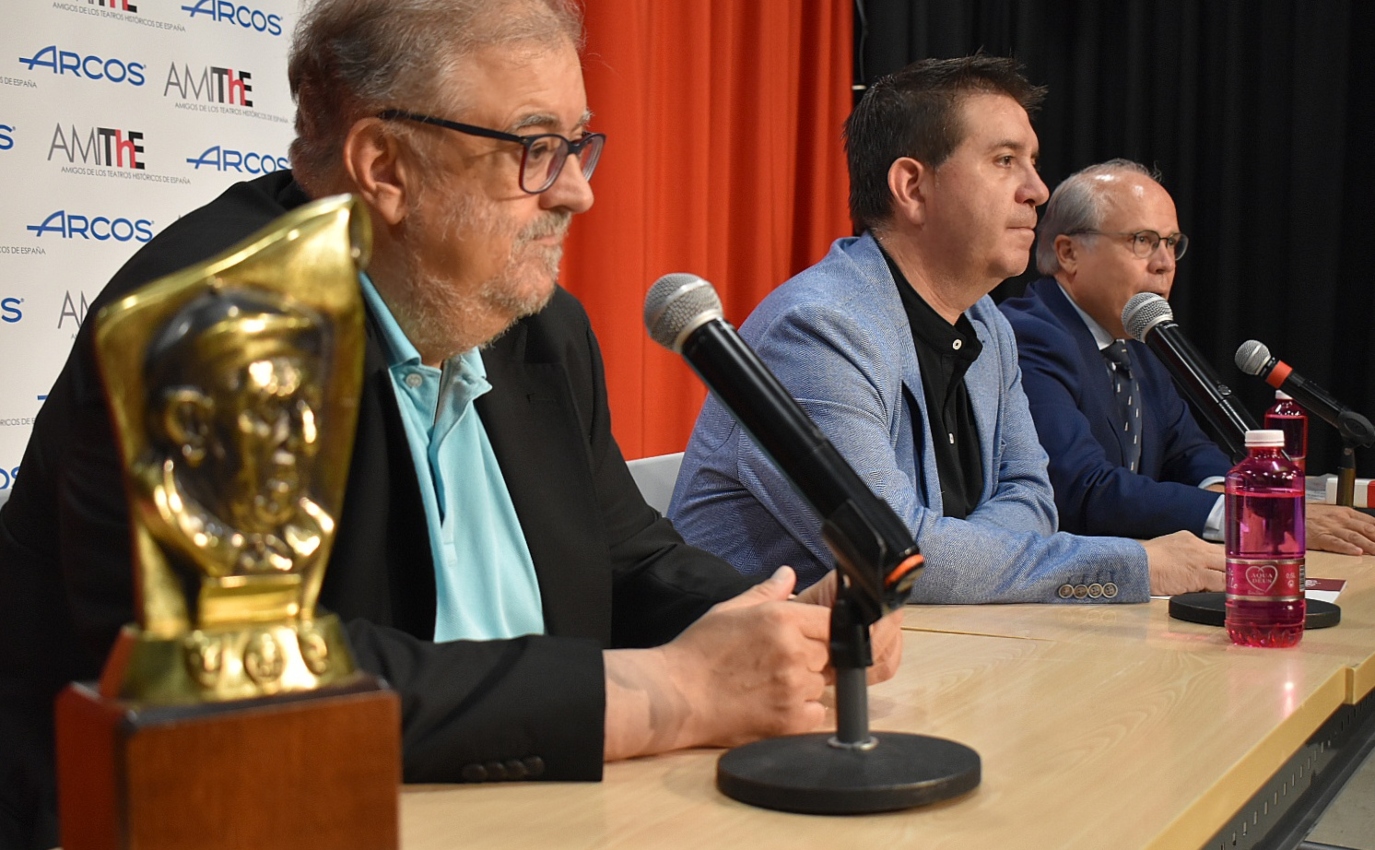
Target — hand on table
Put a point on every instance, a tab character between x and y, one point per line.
752	667
1335	528
1183	563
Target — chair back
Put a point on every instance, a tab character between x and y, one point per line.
655	476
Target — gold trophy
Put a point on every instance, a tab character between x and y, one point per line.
232	714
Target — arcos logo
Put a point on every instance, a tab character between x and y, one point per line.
6	137
118	5
9	310
213	85
227	159
107	146
100	228
90	67
227	12
7	477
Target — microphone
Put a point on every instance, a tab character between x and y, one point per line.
1149	319
1254	358
874	548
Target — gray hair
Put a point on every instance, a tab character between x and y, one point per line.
352	58
1077	204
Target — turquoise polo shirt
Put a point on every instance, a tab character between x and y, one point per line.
485	583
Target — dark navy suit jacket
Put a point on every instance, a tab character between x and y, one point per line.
1072	402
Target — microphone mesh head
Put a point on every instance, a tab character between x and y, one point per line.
1144	311
677	304
1252	357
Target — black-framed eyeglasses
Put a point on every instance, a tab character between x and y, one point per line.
1143	242
544	155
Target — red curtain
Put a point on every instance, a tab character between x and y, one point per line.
723	159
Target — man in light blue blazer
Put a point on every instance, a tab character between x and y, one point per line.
892	346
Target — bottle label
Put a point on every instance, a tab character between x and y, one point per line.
1265	579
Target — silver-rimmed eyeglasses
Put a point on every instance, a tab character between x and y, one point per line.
1142	242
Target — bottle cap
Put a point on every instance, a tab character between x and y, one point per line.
1265	438
1283	396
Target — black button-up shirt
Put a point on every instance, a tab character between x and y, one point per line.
944	353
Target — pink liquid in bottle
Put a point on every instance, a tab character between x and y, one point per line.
1286	415
1265	545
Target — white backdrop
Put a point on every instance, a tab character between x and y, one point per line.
116	117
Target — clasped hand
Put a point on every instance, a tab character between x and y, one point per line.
752	667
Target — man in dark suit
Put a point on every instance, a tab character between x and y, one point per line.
1126	455
502	572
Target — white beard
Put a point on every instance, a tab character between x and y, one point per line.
440	319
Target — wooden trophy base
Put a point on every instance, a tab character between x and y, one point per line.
305	770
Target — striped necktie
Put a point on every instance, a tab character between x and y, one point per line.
1128	396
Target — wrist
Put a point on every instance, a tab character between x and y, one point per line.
646	712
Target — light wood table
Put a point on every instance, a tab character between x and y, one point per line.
1352	643
1102	726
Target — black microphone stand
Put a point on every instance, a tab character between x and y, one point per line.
852	771
1357	433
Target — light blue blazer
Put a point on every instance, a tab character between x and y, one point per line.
837	337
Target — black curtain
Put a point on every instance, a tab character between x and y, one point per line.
1260	116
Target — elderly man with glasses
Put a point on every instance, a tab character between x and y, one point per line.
1127	457
494	562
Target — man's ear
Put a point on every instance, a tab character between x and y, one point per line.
907	187
380	172
1068	253
185	421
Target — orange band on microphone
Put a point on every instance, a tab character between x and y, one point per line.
904	568
1278	374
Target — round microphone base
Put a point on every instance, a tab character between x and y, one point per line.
807	775
1210	609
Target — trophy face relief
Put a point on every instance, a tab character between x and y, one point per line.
235	434
234	387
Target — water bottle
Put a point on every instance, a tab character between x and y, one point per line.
1287	416
1265	545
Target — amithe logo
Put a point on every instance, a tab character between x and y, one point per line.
105	146
91	67
228	159
6	137
227	12
9	310
214	85
100	228
117	5
73	308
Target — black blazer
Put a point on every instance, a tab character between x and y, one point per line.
612	572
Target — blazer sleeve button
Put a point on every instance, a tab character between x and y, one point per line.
515	770
474	773
1109	590
1066	591
534	766
1080	591
495	770
1095	590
